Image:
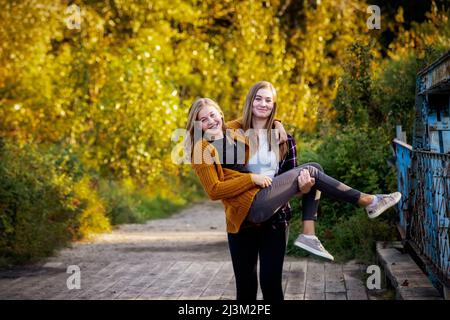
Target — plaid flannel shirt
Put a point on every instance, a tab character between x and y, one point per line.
284	214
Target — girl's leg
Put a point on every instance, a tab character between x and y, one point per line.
271	257
307	239
244	256
309	227
285	186
310	204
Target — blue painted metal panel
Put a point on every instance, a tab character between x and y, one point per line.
423	172
424	212
403	164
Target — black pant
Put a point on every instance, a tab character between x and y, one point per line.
285	186
269	242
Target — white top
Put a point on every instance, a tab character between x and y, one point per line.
263	162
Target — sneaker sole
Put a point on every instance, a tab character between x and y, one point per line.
313	251
384	208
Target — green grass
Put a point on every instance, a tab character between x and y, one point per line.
155	208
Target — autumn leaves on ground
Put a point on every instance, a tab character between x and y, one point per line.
87	114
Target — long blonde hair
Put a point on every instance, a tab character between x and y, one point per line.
248	115
192	122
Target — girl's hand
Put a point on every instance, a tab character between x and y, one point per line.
305	181
282	135
261	180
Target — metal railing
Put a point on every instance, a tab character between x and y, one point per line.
424	212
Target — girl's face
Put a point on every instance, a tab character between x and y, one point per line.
211	121
263	103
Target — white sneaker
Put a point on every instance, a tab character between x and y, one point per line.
384	202
313	245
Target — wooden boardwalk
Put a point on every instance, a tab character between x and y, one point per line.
183	257
302	280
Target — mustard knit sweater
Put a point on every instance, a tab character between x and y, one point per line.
236	190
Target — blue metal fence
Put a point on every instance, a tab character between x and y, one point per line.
424	212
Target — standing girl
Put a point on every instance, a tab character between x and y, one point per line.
259	115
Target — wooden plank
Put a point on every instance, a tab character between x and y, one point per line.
93	282
401	270
293	296
296	281
315	295
149	275
354	284
334	278
285	275
200	282
357	295
218	283
157	288
229	292
180	283
104	283
229	289
353	279
315	278
407	293
335	296
124	278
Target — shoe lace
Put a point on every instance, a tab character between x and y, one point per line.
319	244
386	198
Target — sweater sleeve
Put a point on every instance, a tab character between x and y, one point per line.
217	189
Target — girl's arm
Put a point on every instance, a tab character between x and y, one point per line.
217	189
234	124
290	160
205	168
282	132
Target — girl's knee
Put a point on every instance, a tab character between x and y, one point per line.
316	165
311	169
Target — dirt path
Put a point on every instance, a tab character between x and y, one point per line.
183	257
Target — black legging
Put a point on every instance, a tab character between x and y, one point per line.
285	186
269	242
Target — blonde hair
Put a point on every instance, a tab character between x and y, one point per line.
248	115
194	110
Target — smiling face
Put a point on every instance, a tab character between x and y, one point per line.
263	103
211	121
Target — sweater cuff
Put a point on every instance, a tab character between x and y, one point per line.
251	180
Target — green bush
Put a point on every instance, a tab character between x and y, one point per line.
45	204
119	206
93	219
125	203
355	237
48	198
394	90
356	157
38	212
